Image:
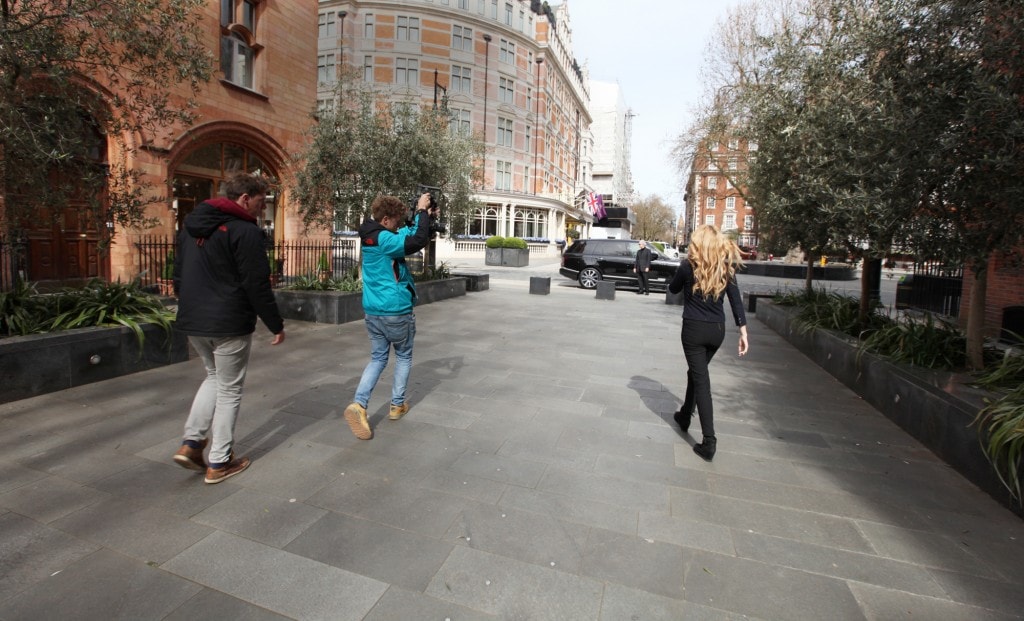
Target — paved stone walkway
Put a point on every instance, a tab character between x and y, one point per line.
537	476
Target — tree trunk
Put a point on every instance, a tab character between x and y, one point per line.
868	288
809	280
976	317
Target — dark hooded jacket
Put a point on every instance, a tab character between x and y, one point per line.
221	273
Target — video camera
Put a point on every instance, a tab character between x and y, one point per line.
436	226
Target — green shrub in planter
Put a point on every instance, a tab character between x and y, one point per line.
1002	439
497	241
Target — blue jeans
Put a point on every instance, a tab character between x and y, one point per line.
215	406
385	331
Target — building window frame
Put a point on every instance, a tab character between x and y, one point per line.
407	72
505	134
503	175
407	29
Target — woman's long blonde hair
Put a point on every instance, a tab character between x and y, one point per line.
715	259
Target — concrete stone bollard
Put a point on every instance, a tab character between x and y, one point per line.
540	285
605	290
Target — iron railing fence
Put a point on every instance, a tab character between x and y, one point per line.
337	258
13	264
932	287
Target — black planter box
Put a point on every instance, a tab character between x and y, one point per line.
936	408
41	363
344	306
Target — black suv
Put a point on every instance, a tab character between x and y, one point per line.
591	260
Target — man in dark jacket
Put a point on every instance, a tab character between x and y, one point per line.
222	278
642	267
388	298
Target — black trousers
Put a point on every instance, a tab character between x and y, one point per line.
701	339
641	277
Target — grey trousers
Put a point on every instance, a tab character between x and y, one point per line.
218	399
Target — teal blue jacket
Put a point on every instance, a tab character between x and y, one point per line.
388	287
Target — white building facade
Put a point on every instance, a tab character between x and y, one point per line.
612	175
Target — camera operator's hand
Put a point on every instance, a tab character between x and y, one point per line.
424	202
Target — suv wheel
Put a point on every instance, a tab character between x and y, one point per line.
589	277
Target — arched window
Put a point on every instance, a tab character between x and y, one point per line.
484	222
201	176
530	223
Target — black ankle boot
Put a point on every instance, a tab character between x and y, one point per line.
706	449
683	418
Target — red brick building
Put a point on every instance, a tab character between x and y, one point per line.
251	117
713	194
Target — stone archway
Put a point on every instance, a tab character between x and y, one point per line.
212	154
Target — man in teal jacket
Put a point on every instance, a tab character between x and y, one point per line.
388	298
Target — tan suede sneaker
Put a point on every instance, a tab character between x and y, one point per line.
355	416
398	411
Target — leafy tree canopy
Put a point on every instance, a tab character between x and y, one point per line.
368	145
76	75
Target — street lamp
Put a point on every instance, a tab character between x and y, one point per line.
487	62
444	96
537	122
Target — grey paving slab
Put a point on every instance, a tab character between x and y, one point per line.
48	499
395	556
133	529
102	585
924	548
765	590
620	602
881	603
653	526
88	462
606	488
579	510
400	603
13	476
210	604
535	538
806	526
861	567
646	471
400	505
167	486
636	562
993	594
261	517
257	573
526	445
30	552
511	589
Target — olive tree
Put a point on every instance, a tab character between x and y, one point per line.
76	75
367	145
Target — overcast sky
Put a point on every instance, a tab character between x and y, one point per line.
654	51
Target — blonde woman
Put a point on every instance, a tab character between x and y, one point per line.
706	278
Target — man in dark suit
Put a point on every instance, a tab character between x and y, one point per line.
642	267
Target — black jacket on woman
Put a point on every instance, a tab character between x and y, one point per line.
700	308
221	273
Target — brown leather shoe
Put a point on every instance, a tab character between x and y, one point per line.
188	457
233	467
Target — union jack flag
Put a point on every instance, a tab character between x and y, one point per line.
596	205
